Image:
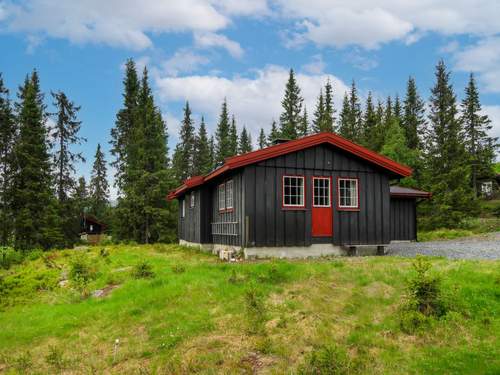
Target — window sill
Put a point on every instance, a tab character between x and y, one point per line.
348	209
293	208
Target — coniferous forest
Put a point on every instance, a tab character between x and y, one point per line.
42	198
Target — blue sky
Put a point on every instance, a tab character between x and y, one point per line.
205	50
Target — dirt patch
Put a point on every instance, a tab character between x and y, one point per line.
101	293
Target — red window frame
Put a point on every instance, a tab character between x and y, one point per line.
293	207
353	208
228	208
330	188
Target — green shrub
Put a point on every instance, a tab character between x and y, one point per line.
411	321
255	310
327	359
80	269
143	270
9	257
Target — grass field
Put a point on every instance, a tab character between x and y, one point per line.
199	315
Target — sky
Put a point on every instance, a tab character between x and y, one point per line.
207	50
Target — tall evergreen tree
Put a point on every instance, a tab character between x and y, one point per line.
351	116
233	137
64	135
414	116
292	108
223	141
7	141
479	145
369	123
212	152
99	187
183	161
447	172
303	128
121	137
202	160
80	197
329	117
245	142
274	134
319	114
397	111
262	139
36	223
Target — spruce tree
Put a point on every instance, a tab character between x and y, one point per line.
7	141
292	108
80	197
36	224
397	111
183	161
351	116
64	135
369	124
274	134
223	142
319	114
245	142
202	160
212	152
447	169
262	139
413	116
233	137
99	187
329	116
479	145
344	125
378	137
121	138
303	128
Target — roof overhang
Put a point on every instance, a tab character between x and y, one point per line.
403	192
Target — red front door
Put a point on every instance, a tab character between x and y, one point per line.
322	214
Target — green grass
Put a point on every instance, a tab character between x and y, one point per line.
496	167
192	315
474	226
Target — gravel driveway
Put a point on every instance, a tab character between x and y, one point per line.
477	247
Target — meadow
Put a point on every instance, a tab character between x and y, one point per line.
169	309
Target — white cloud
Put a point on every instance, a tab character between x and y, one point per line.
360	60
184	61
123	23
316	66
483	58
243	7
493	112
254	101
209	40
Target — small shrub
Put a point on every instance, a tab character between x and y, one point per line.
255	310
9	257
34	254
143	270
178	268
328	359
80	269
55	358
411	321
23	362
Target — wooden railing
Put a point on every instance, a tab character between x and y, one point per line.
227	228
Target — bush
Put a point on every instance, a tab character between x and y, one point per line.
255	310
143	270
9	257
80	269
328	359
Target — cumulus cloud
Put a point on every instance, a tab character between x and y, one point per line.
255	101
493	112
184	61
210	40
316	66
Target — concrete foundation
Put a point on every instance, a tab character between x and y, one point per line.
313	251
202	246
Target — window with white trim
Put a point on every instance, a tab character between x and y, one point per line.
348	193
293	191
183	208
222	197
192	201
321	191
229	194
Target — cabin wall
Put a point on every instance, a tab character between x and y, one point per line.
271	225
189	228
403	219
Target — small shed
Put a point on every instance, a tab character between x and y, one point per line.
92	229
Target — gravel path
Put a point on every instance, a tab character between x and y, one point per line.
477	247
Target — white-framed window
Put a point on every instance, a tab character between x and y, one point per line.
192	201
293	191
222	197
229	194
348	193
183	208
321	192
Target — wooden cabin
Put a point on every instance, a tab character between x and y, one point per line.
317	195
92	229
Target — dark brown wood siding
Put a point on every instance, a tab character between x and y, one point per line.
271	225
403	219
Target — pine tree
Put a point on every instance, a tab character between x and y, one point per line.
36	223
303	128
233	137
413	119
262	139
351	116
7	141
329	117
245	142
99	187
292	108
447	169
274	134
378	136
319	114
183	161
64	135
80	197
202	160
223	142
369	124
479	145
397	111
121	137
212	152
344	125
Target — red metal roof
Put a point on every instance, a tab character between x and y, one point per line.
404	192
293	146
